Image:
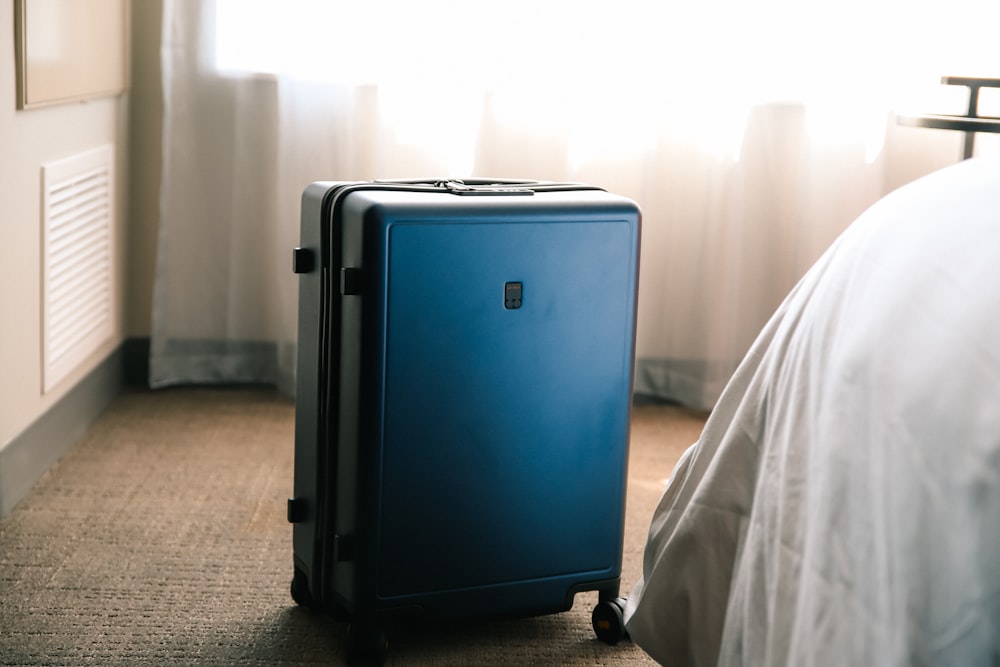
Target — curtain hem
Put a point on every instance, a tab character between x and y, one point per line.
186	361
695	383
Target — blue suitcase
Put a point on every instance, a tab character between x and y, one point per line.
465	369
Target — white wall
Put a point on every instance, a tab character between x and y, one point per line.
29	139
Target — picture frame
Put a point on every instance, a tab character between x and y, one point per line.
69	50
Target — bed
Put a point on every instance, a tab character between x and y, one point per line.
842	504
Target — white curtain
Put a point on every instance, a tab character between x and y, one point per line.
750	133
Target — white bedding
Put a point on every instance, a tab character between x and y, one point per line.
842	505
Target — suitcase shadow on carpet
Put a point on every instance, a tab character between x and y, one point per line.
297	637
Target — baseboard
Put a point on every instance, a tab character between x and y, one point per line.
25	459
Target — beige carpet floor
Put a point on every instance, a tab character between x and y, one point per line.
161	539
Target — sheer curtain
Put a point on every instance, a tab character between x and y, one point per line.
750	134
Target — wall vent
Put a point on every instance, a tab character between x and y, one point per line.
77	246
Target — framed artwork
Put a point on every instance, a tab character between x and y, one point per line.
69	50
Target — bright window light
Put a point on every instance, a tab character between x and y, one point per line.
586	65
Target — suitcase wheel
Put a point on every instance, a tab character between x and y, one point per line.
608	620
366	644
300	589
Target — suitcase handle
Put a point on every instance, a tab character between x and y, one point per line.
484	186
462	187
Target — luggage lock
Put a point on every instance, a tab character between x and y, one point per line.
512	296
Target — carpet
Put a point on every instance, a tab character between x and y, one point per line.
161	539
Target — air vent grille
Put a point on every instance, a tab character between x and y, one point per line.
77	247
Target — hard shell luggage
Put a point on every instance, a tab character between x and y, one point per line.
466	353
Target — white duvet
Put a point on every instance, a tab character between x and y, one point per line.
842	505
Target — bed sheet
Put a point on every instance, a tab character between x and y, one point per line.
842	505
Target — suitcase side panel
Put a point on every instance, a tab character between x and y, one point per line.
308	378
311	510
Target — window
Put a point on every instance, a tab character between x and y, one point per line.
701	65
